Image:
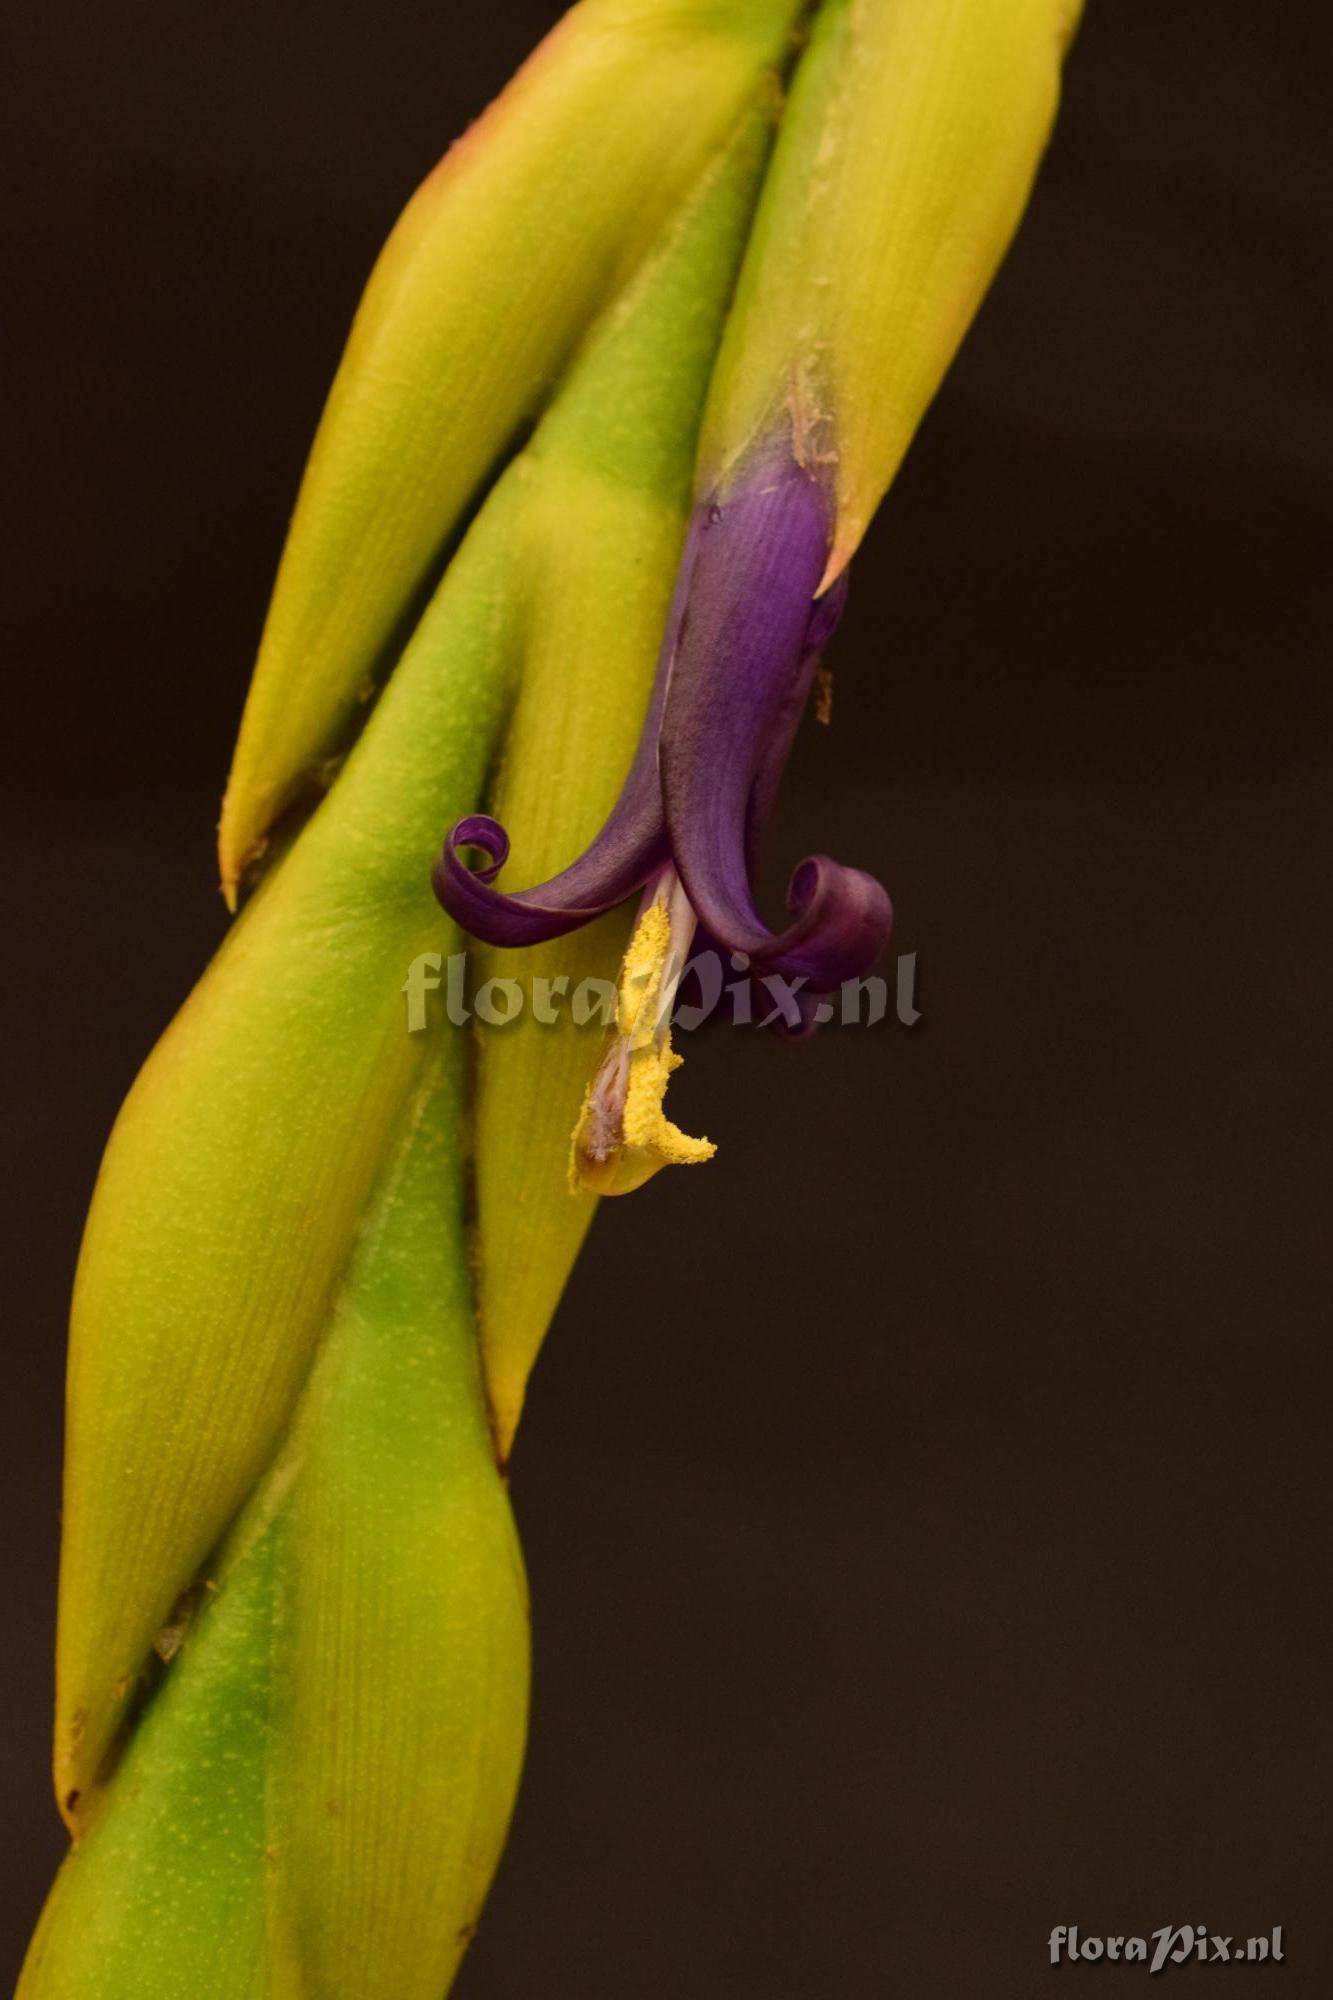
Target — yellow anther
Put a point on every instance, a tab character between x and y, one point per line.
623	1135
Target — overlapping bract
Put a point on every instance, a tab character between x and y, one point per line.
316	1798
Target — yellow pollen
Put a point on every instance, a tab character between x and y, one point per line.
623	1135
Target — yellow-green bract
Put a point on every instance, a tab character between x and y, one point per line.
529	225
315	1801
907	152
238	1174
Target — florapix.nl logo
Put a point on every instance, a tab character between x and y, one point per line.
1170	1945
710	988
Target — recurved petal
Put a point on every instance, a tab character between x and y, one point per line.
739	681
627	850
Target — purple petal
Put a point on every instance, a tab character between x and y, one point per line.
625	853
739	681
629	848
824	619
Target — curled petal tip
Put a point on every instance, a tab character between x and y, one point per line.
625	853
843	919
479	830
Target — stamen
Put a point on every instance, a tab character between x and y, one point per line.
623	1136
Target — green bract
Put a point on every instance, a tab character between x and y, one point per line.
907	152
315	1801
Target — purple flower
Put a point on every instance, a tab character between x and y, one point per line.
735	674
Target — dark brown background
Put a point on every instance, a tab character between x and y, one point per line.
943	1554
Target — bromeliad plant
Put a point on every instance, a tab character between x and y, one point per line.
323	1250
